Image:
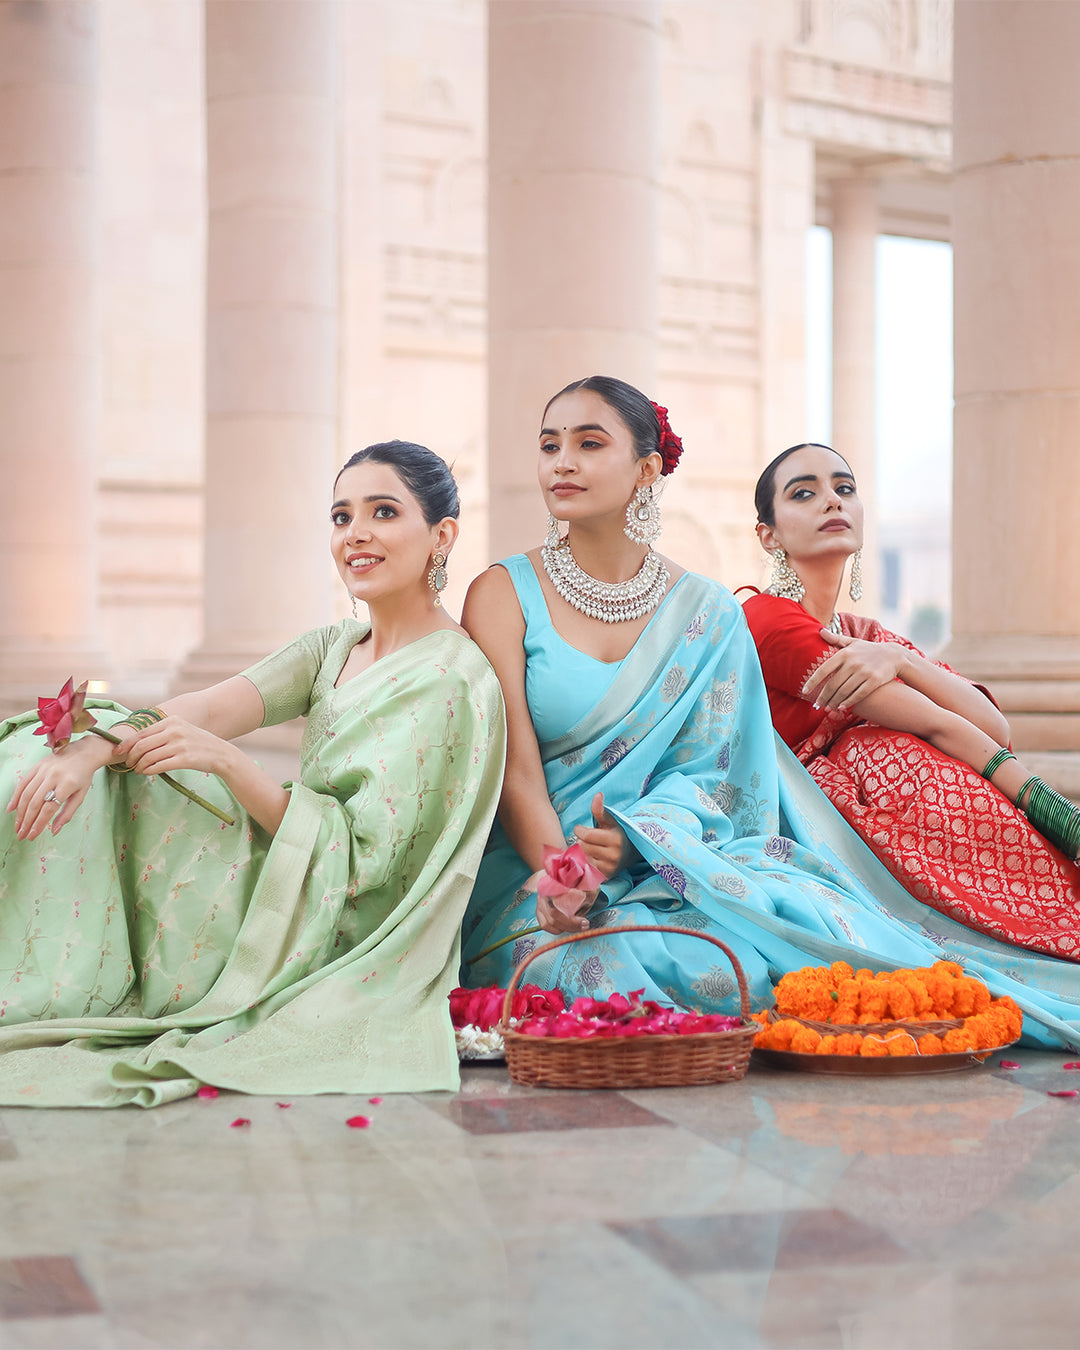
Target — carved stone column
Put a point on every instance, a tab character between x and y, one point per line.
1016	198
573	121
854	276
271	340
49	372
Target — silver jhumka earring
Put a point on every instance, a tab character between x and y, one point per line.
643	523
785	581
554	538
855	581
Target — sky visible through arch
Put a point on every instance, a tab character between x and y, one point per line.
914	370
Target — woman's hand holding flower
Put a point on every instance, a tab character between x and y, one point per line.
566	888
54	789
855	672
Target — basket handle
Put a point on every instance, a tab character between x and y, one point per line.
515	979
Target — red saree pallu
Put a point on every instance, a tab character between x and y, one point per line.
948	836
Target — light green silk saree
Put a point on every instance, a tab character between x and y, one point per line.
148	948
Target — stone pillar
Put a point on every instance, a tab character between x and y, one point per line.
854	282
573	119
49	371
271	327
1016	198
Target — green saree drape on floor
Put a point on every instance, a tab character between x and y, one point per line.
148	948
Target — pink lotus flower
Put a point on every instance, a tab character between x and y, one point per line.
61	717
567	869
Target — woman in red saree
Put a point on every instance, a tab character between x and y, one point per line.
909	752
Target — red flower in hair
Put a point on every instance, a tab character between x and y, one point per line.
670	444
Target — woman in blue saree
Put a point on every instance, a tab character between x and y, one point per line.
638	724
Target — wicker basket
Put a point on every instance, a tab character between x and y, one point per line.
632	1061
913	1027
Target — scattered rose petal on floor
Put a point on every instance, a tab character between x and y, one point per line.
1069	1092
207	1093
283	1106
358	1122
239	1123
1008	1064
377	1101
1072	1064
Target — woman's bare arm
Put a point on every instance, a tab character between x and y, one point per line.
860	667
492	617
901	708
229	709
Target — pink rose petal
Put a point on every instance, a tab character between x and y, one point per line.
1069	1092
283	1106
207	1093
1072	1064
1008	1064
375	1101
358	1122
240	1123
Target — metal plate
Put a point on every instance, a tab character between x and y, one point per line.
858	1066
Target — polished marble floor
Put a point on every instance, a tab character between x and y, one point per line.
786	1210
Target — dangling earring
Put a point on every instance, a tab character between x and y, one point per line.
785	581
855	583
554	538
643	523
437	577
354	606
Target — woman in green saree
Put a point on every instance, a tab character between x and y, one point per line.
146	948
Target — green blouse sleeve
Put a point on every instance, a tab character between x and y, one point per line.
286	677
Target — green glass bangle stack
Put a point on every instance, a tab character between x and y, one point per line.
140	719
995	762
1054	816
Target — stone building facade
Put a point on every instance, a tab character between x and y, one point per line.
280	229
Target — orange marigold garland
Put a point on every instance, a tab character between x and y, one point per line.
846	998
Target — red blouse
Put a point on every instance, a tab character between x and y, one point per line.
790	646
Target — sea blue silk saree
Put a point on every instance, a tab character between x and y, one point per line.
735	839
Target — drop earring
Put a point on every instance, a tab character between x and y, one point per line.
855	581
553	538
643	523
785	581
437	577
354	606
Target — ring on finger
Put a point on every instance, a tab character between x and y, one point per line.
50	796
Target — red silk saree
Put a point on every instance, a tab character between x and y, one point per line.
948	836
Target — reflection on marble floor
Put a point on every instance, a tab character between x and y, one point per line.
782	1211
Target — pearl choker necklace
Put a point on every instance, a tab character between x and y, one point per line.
609	601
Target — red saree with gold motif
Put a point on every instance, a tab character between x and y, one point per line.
948	836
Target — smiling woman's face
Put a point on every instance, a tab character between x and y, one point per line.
379	539
817	509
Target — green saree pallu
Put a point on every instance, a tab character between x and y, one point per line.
149	948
